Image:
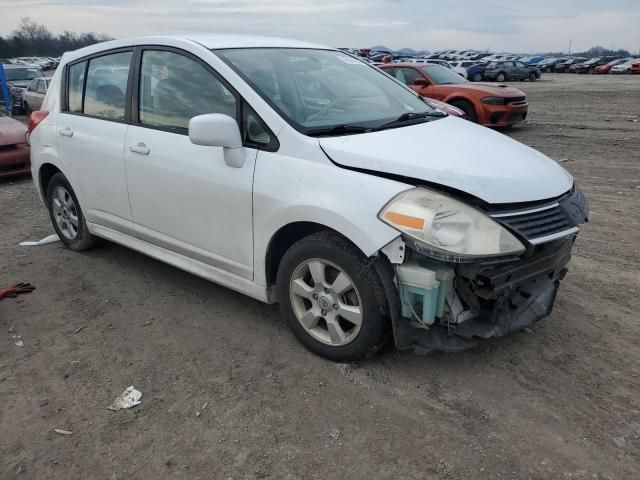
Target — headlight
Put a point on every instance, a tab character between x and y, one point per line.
494	100
447	228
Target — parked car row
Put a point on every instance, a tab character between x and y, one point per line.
595	65
502	67
45	63
27	87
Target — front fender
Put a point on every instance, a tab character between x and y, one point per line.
289	190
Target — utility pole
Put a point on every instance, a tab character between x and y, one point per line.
569	46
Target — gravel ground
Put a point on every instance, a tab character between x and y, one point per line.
229	393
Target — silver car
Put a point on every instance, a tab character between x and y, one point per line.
34	94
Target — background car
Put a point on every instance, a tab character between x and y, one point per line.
635	67
33	96
483	103
459	70
19	77
505	71
14	150
606	68
590	65
622	67
475	73
564	65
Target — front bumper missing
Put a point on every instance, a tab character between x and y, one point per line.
505	297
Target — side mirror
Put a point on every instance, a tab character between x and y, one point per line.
218	130
421	82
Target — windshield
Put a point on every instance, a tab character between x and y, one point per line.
442	76
319	89
14	74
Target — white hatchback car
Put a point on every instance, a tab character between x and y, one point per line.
297	173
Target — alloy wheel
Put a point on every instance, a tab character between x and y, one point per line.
65	212
326	302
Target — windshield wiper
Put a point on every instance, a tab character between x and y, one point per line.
411	116
337	130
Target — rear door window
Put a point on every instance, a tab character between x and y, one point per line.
75	85
106	87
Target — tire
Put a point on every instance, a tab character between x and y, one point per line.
501	77
331	260
477	77
532	77
467	108
63	205
27	109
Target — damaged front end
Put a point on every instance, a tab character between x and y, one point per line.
440	305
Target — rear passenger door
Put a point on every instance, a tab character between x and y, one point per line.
91	133
184	197
521	70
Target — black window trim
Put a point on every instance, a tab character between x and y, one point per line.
132	112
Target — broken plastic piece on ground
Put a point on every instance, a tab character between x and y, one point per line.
62	432
19	343
44	241
335	433
129	398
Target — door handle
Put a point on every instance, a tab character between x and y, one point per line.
140	148
66	132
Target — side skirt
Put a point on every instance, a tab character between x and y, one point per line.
213	274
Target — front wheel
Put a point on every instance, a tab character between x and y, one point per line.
477	77
501	77
332	298
66	216
532	77
467	108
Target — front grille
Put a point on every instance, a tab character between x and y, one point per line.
516	100
540	223
545	221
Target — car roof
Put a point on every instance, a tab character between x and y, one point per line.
9	66
210	41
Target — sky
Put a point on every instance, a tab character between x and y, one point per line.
499	25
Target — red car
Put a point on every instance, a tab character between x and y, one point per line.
635	67
14	150
489	104
607	67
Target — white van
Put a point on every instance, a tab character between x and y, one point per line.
298	174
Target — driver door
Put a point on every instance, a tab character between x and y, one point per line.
184	197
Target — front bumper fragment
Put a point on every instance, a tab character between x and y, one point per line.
505	297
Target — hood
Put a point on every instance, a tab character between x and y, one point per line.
11	131
496	89
457	154
20	83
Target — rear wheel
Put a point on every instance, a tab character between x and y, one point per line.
501	77
27	108
66	216
467	108
477	77
332	298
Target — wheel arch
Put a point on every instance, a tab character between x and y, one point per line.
284	238
45	174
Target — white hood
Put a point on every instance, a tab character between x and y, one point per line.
457	154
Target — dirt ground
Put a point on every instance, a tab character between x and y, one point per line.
560	402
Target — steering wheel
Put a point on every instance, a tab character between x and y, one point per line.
328	107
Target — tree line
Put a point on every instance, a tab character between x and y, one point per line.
33	39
